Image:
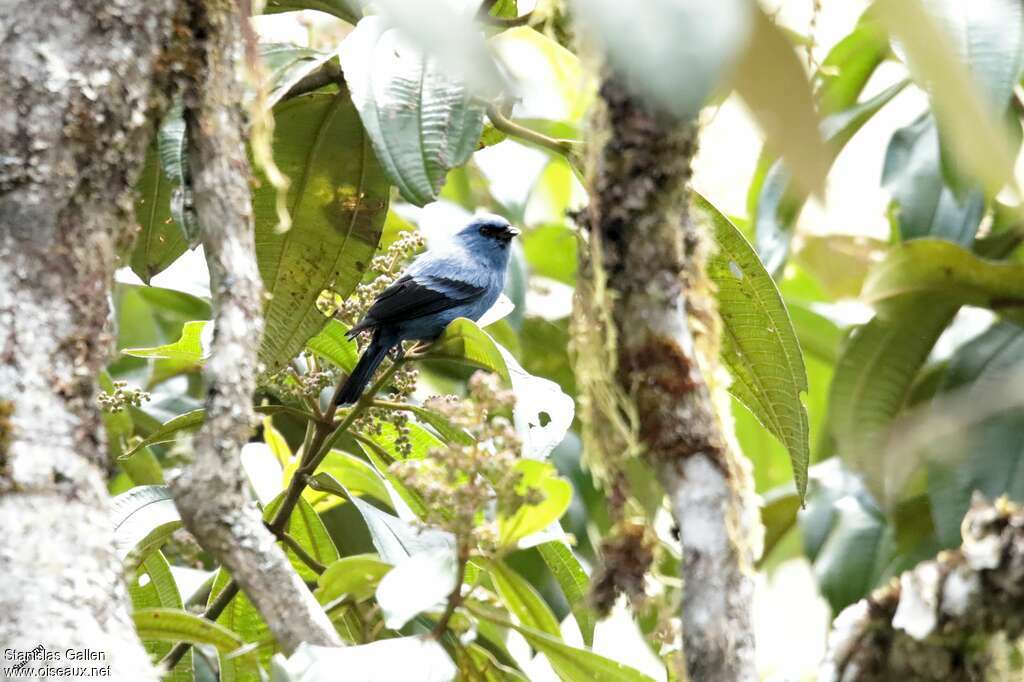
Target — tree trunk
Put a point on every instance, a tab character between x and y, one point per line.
79	82
647	251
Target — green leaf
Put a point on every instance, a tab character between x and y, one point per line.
240	617
571	577
579	665
421	441
701	40
168	432
465	342
288	64
422	120
848	533
759	344
551	252
172	144
309	531
191	421
987	455
188	348
154	587
160	242
969	121
873	377
849	64
535	517
778	515
144	517
790	123
353	473
448	431
354	575
393	538
338	199
521	599
924	204
331	344
940	268
346	10
172	625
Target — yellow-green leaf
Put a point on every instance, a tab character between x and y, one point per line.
759	344
338	199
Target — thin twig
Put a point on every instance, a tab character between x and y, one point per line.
566	148
455	598
301	552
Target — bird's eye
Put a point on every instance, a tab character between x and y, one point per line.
492	231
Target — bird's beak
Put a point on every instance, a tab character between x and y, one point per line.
513	231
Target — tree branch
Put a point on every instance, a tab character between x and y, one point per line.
647	325
211	494
933	623
566	148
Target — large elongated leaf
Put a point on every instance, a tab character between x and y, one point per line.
422	120
938	267
144	517
790	123
579	665
963	108
925	206
873	377
759	345
158	590
849	64
571	577
287	65
522	600
988	456
160	242
338	200
188	348
465	342
241	618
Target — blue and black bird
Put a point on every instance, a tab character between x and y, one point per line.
463	278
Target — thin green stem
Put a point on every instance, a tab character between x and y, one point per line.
224	598
566	148
455	598
301	552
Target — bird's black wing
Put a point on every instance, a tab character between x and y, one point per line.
409	298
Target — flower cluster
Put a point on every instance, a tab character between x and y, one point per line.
121	398
382	273
292	386
467	488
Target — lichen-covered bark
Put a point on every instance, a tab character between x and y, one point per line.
652	255
935	621
211	494
78	83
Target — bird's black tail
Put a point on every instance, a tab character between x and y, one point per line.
364	369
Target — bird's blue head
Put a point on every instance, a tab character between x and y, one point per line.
488	236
